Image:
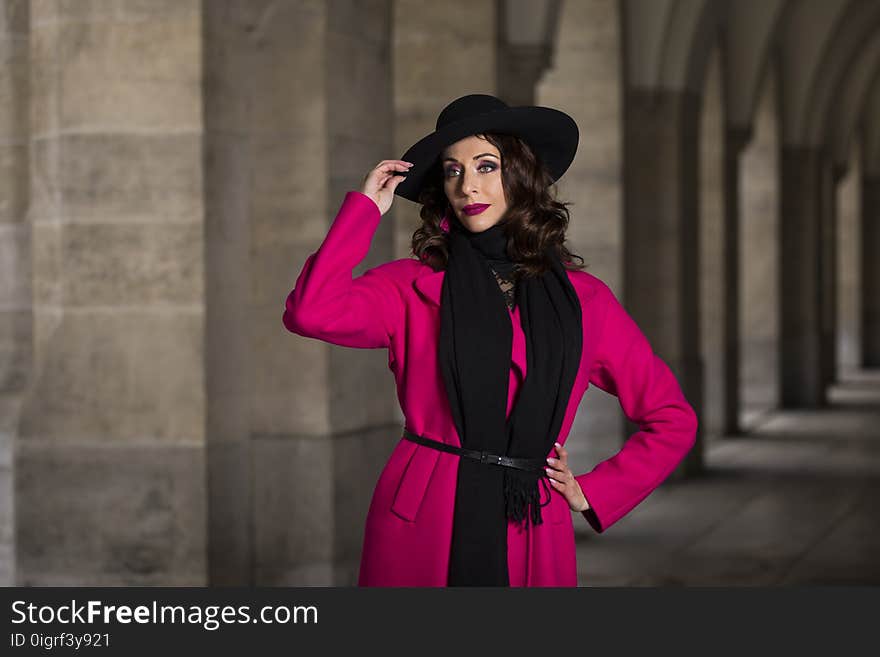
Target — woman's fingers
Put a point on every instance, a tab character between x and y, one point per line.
562	479
392	162
394	181
562	461
555	473
558	471
564	482
381	181
554	477
391	167
387	170
389	164
562	452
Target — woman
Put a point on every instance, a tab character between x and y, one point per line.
494	336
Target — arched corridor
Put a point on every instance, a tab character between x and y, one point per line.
168	167
793	502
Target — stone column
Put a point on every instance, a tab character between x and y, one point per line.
363	414
298	109
585	81
442	50
756	322
519	69
714	248
526	43
735	140
800	360
16	330
110	471
849	257
828	261
661	225
870	194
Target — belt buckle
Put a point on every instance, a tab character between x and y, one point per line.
486	457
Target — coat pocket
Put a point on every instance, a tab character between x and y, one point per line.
414	482
558	509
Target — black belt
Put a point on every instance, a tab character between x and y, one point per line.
535	465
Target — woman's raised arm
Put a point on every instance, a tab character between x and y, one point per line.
649	395
326	302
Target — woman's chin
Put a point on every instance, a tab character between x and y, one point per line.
477	223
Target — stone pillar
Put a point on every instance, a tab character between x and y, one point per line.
364	418
849	268
519	70
869	211
585	82
110	471
442	50
828	264
713	248
801	381
16	331
735	140
755	325
298	110
661	225
525	47
870	196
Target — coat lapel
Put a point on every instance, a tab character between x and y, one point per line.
430	286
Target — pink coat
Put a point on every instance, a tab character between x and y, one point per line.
396	306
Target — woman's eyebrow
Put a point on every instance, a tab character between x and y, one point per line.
476	157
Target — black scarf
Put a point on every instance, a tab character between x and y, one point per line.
474	352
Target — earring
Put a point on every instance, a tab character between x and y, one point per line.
444	222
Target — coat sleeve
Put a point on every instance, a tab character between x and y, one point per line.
327	303
650	396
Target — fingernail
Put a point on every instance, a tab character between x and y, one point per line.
549	460
557	444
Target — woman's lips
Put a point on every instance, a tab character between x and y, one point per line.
471	210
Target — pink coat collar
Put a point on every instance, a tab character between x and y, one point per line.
430	286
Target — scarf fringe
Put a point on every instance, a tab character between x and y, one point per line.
521	491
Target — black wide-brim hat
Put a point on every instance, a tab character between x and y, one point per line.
552	135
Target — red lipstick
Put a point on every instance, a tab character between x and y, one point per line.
475	208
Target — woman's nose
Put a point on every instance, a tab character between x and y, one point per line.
469	182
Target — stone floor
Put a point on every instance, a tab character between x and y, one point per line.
793	503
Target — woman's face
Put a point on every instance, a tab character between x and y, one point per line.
472	177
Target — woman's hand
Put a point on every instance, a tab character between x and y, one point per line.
380	182
562	479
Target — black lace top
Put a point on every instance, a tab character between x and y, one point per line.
508	289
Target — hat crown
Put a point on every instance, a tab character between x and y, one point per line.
467	106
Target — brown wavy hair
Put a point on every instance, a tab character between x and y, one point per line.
536	221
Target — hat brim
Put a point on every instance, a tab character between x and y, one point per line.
552	134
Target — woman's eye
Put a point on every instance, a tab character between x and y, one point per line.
490	167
